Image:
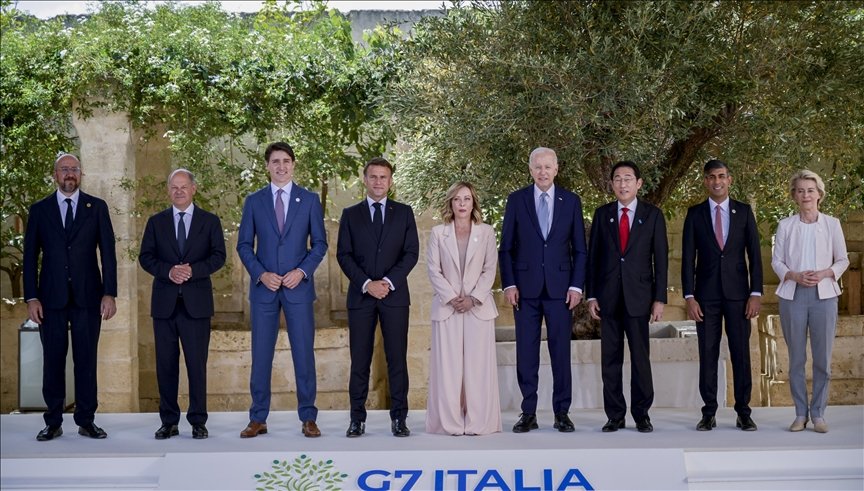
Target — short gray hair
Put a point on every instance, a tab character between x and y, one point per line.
185	171
63	155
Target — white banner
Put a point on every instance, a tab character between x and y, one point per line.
418	470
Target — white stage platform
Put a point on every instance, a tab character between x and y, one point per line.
674	456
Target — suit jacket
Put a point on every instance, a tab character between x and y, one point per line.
830	253
448	281
641	269
527	260
205	253
362	257
302	244
709	273
69	258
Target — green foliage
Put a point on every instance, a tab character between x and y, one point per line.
34	124
218	86
768	87
301	475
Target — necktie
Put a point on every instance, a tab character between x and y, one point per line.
280	211
624	228
181	233
377	220
718	227
543	214
67	223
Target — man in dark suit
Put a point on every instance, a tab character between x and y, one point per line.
377	248
182	246
66	291
721	284
542	258
281	242
626	288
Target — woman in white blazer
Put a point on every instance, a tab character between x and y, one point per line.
462	259
809	257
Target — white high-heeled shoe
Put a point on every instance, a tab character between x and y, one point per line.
799	424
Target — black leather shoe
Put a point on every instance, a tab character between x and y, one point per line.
92	431
49	433
745	423
166	431
644	425
355	429
613	425
399	428
563	423
199	432
706	423
526	423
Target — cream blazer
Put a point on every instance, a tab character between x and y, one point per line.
481	263
830	253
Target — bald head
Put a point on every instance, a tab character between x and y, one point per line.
67	173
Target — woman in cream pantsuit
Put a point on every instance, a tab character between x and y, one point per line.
462	258
809	257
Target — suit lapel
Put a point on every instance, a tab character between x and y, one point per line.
639	219
268	203
733	219
528	198
294	202
473	241
388	221
557	215
167	226
196	228
82	213
614	225
452	245
709	227
55	211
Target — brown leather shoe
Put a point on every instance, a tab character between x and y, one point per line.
253	429
310	429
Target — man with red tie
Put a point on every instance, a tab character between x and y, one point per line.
626	289
720	284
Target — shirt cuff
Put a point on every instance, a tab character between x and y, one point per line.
574	289
365	283
392	288
755	294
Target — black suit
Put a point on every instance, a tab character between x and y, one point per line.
182	312
363	256
626	285
722	281
70	288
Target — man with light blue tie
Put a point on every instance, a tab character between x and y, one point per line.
542	258
281	242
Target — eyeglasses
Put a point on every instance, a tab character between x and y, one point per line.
70	170
623	180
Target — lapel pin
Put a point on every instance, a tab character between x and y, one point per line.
733	211
475	239
640	221
611	220
88	205
297	199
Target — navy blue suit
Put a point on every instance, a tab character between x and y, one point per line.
721	282
363	256
181	313
70	287
626	284
262	249
543	270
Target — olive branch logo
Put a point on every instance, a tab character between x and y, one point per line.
301	475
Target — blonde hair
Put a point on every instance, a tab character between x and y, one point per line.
807	174
447	206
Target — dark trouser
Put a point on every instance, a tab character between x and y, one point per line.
85	324
394	332
613	328
558	328
710	333
194	335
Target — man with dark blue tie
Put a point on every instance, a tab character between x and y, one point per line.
281	242
182	246
542	258
377	248
721	278
65	290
